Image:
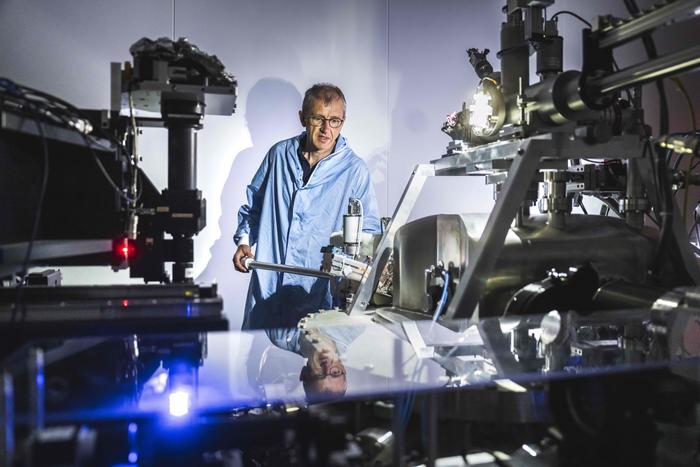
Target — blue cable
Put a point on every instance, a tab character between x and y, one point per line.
443	297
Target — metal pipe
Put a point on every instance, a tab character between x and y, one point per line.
182	156
514	55
250	263
619	294
636	27
651	70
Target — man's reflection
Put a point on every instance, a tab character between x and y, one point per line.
324	374
323	346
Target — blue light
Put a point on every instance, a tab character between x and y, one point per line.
133	428
188	309
179	403
133	457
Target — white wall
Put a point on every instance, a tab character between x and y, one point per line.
401	63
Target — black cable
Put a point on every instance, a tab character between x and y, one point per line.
579	201
654	221
610	203
19	93
582	206
679	158
650	49
35	227
106	175
567	12
664	211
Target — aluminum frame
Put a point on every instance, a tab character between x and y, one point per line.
525	157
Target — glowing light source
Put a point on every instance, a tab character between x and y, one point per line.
133	457
123	249
480	112
179	403
529	450
126	249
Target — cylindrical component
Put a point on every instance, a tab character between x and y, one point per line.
634	217
617	295
182	272
351	228
666	65
250	263
133	227
522	214
550	57
514	55
182	115
351	233
556	203
478	60
182	157
556	100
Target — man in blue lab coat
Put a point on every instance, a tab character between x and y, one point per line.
296	199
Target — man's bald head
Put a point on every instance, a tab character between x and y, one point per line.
322	92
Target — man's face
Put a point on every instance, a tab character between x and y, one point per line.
324	374
322	137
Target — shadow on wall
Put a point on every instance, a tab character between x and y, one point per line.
271	115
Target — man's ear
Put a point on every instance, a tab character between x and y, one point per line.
304	373
301	119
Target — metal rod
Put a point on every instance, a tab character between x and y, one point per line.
252	264
634	28
645	72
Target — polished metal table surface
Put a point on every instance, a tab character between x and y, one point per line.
182	374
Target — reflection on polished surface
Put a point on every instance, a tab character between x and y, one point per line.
333	356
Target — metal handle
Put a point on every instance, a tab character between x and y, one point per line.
250	263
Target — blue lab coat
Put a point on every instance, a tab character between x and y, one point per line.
290	222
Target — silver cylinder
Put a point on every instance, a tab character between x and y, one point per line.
252	264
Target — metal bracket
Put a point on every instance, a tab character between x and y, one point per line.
473	281
524	158
381	255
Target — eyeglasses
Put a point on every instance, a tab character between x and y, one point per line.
333	372
317	120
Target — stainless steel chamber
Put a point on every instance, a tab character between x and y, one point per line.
613	248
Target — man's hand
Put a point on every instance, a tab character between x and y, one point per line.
241	254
